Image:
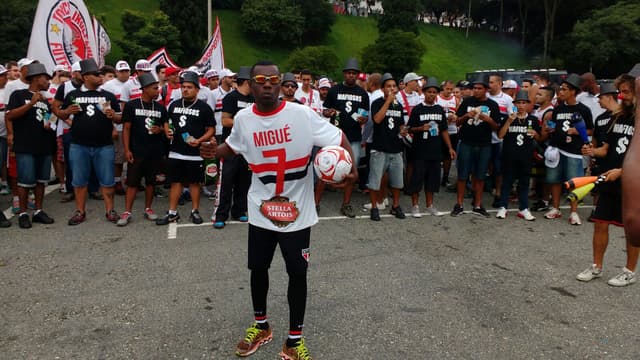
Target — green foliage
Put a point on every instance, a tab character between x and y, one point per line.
227	4
320	60
16	18
190	18
607	40
318	18
399	14
272	22
148	35
395	51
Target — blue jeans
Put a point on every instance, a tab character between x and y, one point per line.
567	169
33	169
84	158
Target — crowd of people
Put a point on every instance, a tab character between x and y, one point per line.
92	125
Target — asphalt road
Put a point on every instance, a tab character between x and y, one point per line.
429	288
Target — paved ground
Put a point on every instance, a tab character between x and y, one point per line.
429	288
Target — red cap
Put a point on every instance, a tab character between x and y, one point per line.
171	70
362	77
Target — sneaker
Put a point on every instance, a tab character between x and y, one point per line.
541	205
347	210
526	214
375	214
112	216
626	277
42	218
574	219
150	215
589	274
480	211
452	188
4	190
298	352
23	221
415	211
553	214
68	197
502	213
397	212
15	205
159	193
219	224
254	338
167	218
381	206
457	210
125	218
4	222
77	218
431	210
62	189
195	217
96	196
243	218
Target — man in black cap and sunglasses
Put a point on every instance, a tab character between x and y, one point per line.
348	105
92	113
29	112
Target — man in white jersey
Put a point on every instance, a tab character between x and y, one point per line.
505	104
217	95
449	103
306	94
409	97
277	138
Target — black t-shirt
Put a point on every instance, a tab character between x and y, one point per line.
477	132
348	100
142	116
565	117
619	138
29	134
427	145
189	119
91	127
600	127
386	136
232	103
516	143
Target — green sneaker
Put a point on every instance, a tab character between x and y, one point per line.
255	338
298	352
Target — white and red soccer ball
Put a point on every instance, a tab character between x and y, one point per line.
332	164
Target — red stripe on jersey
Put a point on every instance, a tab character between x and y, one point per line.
273	112
280	166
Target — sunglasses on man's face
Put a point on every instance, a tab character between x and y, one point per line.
289	85
263	79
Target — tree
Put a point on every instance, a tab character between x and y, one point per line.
148	35
190	18
606	41
318	17
399	14
16	18
550	8
227	4
395	51
320	60
273	22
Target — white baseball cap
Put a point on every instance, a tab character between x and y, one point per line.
211	73
143	65
324	83
194	69
24	62
122	66
3	70
226	73
76	66
551	157
411	76
509	84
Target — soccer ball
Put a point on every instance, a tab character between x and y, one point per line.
332	164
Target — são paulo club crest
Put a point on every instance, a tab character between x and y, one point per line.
69	33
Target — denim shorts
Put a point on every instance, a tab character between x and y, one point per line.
473	160
356	147
567	169
84	158
33	169
381	162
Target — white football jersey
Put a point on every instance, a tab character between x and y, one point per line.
277	146
311	99
449	105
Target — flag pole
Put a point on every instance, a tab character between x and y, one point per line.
209	29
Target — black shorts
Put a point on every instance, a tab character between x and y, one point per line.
609	209
427	173
143	168
185	171
293	245
445	149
